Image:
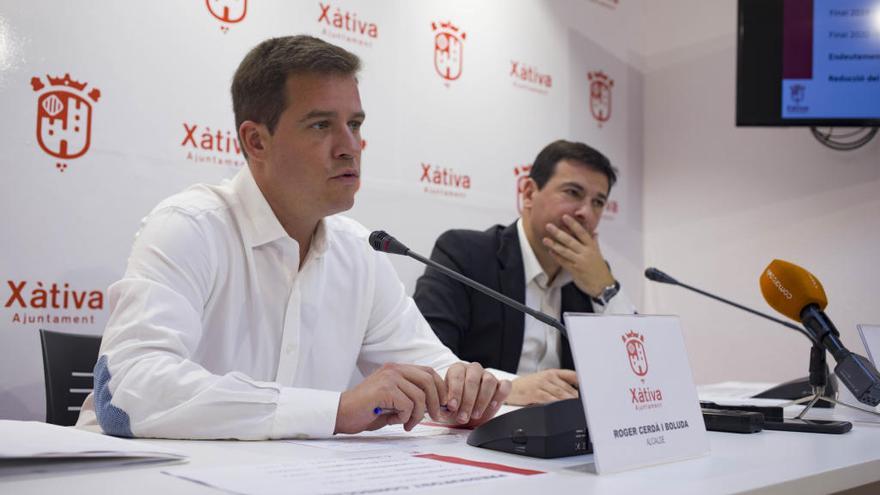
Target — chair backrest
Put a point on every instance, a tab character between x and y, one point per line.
68	363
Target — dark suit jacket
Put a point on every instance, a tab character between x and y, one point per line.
475	326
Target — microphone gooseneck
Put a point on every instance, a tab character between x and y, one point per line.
656	275
386	243
568	435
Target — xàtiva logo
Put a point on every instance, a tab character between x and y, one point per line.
64	117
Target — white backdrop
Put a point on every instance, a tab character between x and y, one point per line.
162	119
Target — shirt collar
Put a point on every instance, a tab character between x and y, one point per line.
262	226
532	267
321	239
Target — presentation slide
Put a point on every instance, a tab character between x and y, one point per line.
831	59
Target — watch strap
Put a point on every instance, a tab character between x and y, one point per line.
607	294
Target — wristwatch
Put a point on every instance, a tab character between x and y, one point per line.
607	293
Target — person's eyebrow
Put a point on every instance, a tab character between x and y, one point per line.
581	189
575	185
329	114
318	114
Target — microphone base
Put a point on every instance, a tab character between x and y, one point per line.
800	388
556	429
559	429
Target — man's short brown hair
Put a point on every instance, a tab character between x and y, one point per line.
581	154
258	85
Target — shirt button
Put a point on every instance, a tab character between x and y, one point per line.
290	348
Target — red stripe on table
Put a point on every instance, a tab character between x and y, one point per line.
484	465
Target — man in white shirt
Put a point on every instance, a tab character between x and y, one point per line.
246	307
549	260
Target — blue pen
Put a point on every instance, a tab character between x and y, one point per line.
378	411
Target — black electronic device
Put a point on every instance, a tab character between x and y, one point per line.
770	413
772	419
809	425
855	371
556	429
733	421
802	65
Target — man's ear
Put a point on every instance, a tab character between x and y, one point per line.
530	187
254	139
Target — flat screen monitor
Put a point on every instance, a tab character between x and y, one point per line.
808	63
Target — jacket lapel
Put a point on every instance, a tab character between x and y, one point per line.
511	280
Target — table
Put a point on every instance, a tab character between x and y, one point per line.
767	462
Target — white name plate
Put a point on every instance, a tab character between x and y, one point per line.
637	389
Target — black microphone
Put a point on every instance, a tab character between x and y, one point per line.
796	293
555	429
818	369
856	372
656	275
386	243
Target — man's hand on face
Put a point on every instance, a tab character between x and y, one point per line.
473	394
544	386
409	389
579	254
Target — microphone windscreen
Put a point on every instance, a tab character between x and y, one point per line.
788	288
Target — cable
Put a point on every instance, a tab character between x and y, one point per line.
844	141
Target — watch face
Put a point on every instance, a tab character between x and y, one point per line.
607	294
610	292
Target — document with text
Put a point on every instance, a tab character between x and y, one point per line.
359	474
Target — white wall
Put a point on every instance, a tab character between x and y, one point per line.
721	202
162	67
713	203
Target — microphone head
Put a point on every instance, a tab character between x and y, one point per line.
385	242
789	289
658	276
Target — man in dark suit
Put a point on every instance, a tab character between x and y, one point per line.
549	260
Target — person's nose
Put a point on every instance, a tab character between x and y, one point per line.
347	144
586	215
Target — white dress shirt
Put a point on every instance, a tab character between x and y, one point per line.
214	332
542	343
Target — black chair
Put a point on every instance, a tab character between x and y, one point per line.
68	361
